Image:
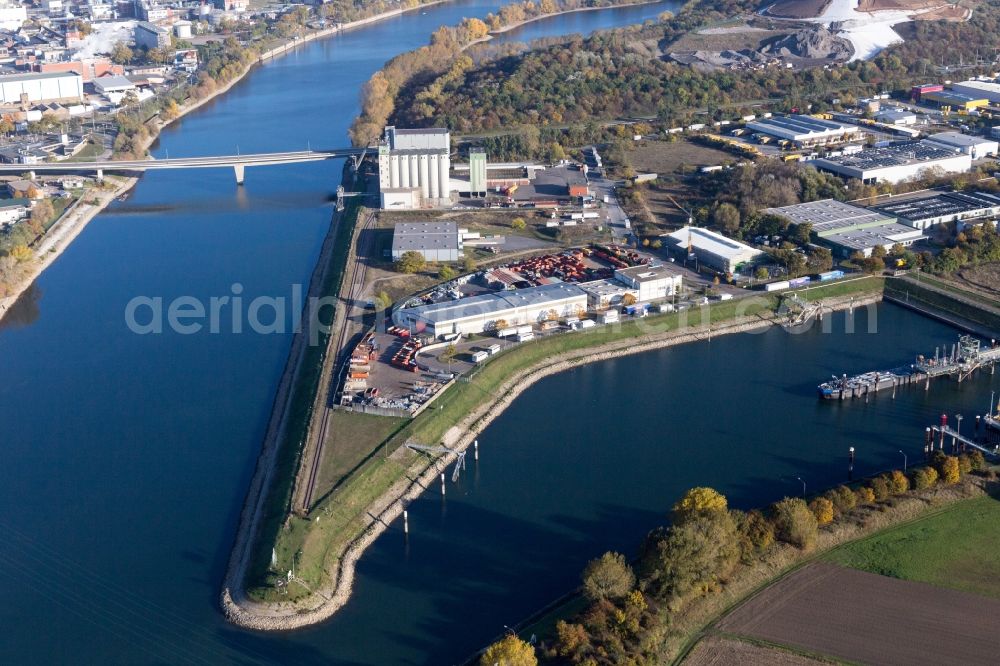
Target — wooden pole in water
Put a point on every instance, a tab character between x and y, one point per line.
442	483
475	449
406	522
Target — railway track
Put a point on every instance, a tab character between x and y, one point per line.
358	271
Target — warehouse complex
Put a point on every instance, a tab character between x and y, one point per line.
713	249
926	211
414	167
804	130
478	314
894	164
436	241
989	90
847	229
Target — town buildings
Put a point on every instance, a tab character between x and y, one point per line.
38	87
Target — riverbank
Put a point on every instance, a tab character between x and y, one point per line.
515	26
478	409
64	231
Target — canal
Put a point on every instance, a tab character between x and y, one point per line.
124	458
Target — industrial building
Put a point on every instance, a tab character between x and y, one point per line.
986	89
414	167
38	87
894	164
653	283
712	249
917	92
895	115
955	101
479	314
804	130
926	211
974	146
477	172
436	241
150	36
847	229
604	294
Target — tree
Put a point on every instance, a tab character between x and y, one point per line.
556	152
21	253
843	498
448	355
382	301
42	213
446	273
881	488
509	651
468	264
121	54
691	555
411	262
572	640
822	508
608	577
761	273
755	531
727	218
949	470
171	111
794	523
865	495
696	502
518	224
802	233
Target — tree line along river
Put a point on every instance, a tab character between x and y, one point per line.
124	458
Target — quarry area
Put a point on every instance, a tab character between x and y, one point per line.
797	34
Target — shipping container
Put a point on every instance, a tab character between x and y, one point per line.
480	356
776	286
521	330
494	349
524	337
506	332
830	275
799	281
610	317
587	323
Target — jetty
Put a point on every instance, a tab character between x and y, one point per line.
965	357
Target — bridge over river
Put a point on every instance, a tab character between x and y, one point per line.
237	162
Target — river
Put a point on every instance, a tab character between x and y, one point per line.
124	458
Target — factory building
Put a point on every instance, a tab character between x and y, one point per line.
604	294
989	90
896	116
653	283
150	36
955	101
847	229
804	130
917	92
477	172
975	146
712	249
482	313
414	167
894	164
926	211
436	241
38	87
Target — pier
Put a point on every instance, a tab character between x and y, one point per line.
981	440
964	358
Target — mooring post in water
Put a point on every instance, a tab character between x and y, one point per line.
406	522
475	449
850	464
944	424
442	483
975	435
928	443
894	381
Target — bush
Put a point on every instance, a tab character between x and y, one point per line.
900	484
755	531
978	461
509	651
949	470
865	495
881	488
822	508
924	477
518	223
794	523
843	499
964	464
608	577
411	262
446	273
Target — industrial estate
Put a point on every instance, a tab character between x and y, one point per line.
786	168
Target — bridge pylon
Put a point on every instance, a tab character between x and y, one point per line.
238	168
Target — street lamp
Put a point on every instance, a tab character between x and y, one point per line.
904	459
958	425
803	485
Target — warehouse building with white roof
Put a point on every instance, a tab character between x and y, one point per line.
804	130
712	249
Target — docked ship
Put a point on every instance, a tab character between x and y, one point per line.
858	385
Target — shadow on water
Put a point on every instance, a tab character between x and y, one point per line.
25	310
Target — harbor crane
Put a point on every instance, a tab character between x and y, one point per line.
442	450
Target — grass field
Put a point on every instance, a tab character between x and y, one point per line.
351	439
957	548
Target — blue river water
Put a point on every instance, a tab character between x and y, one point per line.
125	458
